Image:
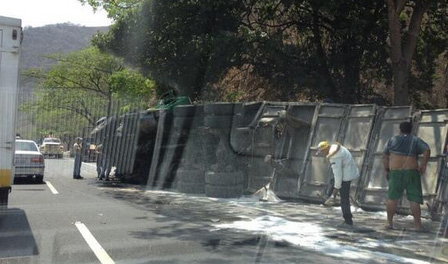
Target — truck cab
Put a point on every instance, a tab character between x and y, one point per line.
10	41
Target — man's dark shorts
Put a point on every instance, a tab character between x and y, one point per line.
409	180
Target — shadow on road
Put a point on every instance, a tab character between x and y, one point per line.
16	238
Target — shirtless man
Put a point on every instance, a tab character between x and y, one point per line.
400	160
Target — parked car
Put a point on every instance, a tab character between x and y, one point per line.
52	147
29	162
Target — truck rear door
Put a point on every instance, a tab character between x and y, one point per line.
10	38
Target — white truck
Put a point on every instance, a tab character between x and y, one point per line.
10	41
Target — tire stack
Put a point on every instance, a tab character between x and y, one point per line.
223	179
188	127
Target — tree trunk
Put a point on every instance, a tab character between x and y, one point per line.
323	67
445	84
401	89
401	53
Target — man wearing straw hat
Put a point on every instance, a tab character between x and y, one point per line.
344	170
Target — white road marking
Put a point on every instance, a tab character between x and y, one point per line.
51	187
99	251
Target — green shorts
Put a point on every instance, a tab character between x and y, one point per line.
409	180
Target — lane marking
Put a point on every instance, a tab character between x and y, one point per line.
51	187
99	251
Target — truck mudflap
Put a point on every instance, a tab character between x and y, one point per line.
4	193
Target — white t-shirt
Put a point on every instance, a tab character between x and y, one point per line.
343	165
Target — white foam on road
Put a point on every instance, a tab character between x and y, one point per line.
311	237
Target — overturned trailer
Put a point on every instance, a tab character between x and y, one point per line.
230	149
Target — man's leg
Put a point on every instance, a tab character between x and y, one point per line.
98	166
345	202
76	169
391	208
415	197
416	213
107	168
330	190
79	168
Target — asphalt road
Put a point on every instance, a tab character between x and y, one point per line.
90	221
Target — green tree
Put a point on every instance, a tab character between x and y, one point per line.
186	45
315	47
344	50
82	87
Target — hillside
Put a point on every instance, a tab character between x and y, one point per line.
41	41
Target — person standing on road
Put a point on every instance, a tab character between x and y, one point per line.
77	148
400	161
344	170
106	165
99	160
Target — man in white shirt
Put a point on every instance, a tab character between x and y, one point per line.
77	148
344	170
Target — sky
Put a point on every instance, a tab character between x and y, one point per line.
37	13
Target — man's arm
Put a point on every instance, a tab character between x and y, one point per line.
386	165
336	166
425	159
386	159
424	149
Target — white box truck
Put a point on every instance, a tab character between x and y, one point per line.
10	41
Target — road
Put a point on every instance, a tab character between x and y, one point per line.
90	221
